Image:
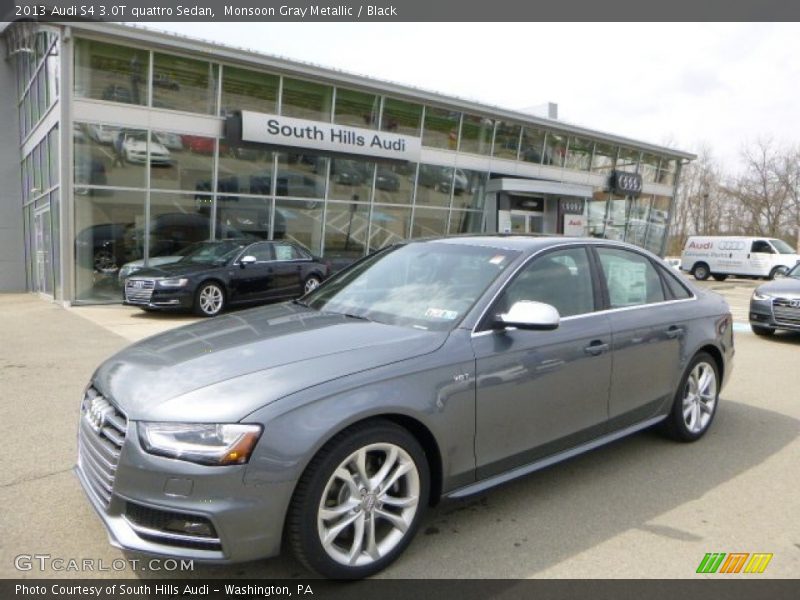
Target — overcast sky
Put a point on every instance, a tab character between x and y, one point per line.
676	84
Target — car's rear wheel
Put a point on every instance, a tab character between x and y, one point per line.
209	300
360	501
695	401
312	282
763	331
701	271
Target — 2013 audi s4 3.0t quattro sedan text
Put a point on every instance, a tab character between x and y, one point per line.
428	370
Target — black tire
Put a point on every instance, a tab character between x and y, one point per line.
675	425
304	520
311	283
719	277
701	271
775	271
762	331
203	304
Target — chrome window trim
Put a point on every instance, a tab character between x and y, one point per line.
585	244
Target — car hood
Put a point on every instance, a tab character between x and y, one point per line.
154	261
222	369
787	287
176	269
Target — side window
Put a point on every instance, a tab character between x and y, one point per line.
286	252
562	279
762	246
262	252
631	278
676	289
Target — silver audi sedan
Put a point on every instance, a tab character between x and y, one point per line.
430	370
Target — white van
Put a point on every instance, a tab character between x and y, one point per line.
721	256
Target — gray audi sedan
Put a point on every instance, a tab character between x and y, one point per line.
429	370
776	305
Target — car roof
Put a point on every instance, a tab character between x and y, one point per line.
522	243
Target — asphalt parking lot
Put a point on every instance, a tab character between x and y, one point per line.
643	507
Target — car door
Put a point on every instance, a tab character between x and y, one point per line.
646	335
760	258
288	270
255	281
539	392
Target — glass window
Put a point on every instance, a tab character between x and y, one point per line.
346	227
180	162
306	100
506	140
617	217
184	84
464	221
476	135
249	90
52	145
105	239
394	183
429	222
666	171
242	217
579	154
358	109
109	155
299	222
401	117
176	221
389	225
562	279
435	184
596	214
243	170
469	189
636	229
555	149
55	223
628	160
676	289
649	167
301	175
605	158
441	128
657	223
631	278
110	72
351	179
284	251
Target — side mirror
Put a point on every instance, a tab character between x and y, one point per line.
247	260
527	314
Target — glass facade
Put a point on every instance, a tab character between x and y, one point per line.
145	192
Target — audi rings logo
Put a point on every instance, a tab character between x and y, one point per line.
95	411
629	184
731	245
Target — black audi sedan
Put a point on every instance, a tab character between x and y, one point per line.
216	274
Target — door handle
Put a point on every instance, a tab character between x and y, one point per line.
674	332
596	348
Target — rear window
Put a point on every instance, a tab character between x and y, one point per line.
675	288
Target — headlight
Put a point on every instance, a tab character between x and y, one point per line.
173	282
229	444
761	296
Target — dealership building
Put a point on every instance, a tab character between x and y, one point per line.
122	144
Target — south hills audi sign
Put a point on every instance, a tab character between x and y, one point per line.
259	128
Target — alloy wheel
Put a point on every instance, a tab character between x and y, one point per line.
211	299
368	504
312	283
700	397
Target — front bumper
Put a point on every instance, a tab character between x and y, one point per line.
164	299
247	520
763	313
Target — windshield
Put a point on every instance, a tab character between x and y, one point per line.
423	285
782	247
212	252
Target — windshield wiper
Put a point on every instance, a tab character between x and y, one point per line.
352	316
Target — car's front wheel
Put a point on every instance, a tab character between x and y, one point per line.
360	501
209	299
701	271
695	401
311	283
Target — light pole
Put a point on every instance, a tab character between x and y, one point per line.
705	213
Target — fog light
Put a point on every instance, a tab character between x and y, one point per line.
190	527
